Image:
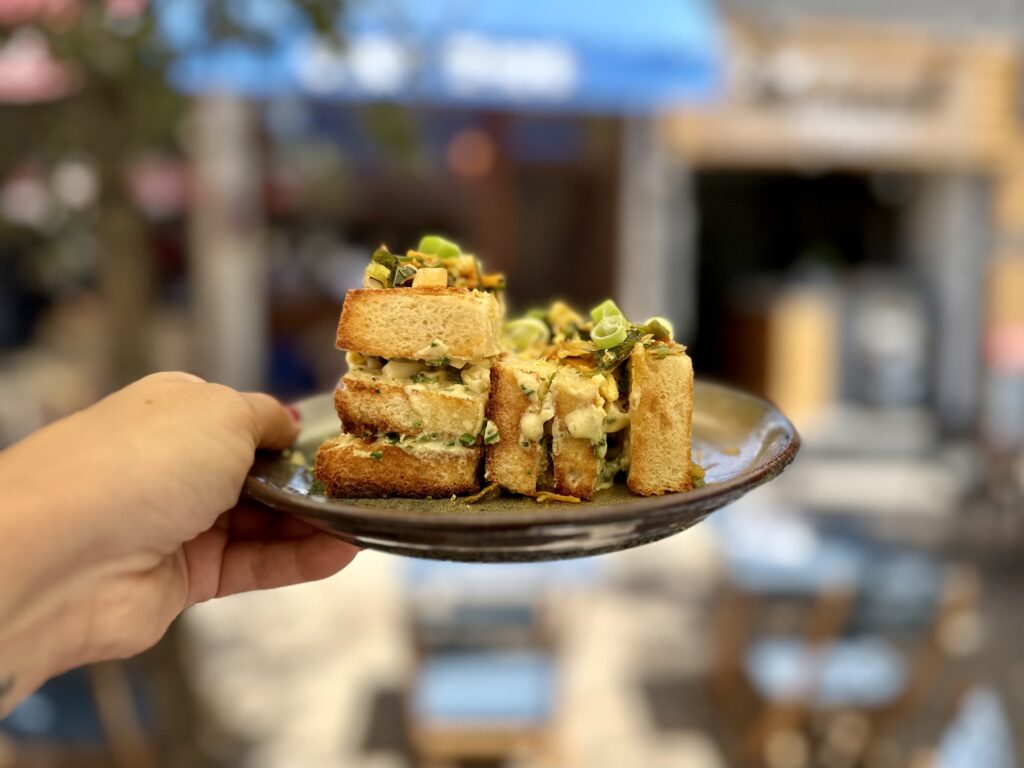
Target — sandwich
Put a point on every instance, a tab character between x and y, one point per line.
421	337
440	393
611	398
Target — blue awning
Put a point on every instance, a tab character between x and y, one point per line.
567	55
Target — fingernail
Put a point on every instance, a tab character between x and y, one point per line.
294	413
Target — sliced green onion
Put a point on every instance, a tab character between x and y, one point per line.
525	333
606	308
609	332
435	245
659	327
379	272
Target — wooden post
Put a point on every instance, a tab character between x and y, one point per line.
228	260
655	270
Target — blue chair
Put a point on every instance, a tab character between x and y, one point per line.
858	673
483	705
979	736
94	716
783	554
63	711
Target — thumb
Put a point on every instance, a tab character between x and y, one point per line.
276	427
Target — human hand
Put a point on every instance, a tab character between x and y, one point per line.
121	516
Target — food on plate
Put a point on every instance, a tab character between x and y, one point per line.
440	393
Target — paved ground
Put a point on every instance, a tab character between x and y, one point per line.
313	676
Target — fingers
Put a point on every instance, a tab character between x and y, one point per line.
174	376
274	425
249	565
250	521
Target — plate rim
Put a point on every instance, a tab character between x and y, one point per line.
292	502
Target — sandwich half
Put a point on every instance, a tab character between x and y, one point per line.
520	409
421	336
616	403
661	419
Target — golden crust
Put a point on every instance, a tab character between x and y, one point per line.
346	469
403	322
374	404
661	415
508	463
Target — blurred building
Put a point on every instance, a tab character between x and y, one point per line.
837	222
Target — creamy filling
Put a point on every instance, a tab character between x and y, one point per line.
604	423
536	387
472	377
370	447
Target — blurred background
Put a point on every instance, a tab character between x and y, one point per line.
826	199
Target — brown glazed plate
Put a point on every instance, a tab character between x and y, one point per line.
741	441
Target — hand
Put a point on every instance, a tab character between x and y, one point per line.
116	519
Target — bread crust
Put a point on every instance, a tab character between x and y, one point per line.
661	418
367	403
346	470
512	466
404	322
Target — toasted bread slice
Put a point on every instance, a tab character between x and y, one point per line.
517	405
660	411
575	459
368	403
351	467
421	323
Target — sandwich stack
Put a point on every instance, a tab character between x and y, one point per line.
421	337
552	405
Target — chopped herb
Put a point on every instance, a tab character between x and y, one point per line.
427	437
450	444
612	357
375	455
656	328
386	259
467	439
435	343
524	443
491	433
419	378
392	437
316	488
403	274
417	424
437	362
526	390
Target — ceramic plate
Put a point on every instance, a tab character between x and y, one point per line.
741	440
